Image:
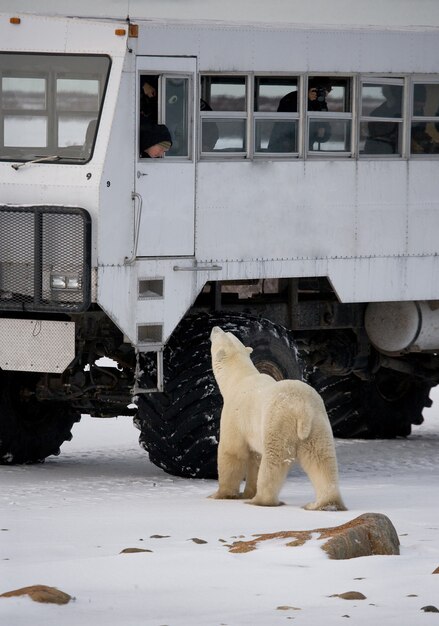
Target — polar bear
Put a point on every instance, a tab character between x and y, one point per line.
266	426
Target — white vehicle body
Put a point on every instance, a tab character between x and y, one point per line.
161	229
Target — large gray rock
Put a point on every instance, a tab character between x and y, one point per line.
366	535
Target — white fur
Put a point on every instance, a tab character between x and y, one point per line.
266	426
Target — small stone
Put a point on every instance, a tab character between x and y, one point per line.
40	593
349	595
286	607
436	571
197	540
133	550
430	609
159	536
412	595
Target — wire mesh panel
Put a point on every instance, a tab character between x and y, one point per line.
44	259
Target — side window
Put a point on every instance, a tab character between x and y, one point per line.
50	105
165	119
223	113
424	129
26	119
381	120
276	115
329	115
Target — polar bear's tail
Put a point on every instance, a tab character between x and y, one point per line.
304	423
300	403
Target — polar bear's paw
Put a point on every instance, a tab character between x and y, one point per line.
258	501
221	495
325	506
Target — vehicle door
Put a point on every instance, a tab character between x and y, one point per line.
166	186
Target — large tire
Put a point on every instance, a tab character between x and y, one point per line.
180	427
383	407
30	431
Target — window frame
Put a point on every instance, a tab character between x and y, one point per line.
244	115
51	113
383	79
355	83
310	116
420	79
161	113
276	116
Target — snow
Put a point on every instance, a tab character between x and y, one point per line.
65	522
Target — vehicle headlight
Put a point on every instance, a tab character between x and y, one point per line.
65	281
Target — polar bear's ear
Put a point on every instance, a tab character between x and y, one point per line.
249	350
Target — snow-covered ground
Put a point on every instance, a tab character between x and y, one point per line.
65	523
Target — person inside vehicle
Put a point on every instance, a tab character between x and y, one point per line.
421	141
283	139
155	141
149	99
383	137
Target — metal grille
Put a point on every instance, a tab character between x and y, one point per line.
44	259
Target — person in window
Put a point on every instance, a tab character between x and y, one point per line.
209	130
155	141
283	135
149	99
383	136
421	141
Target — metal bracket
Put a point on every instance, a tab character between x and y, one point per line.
159	388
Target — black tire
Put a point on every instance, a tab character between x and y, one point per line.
30	431
383	407
180	427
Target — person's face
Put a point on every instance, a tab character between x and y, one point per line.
312	93
156	152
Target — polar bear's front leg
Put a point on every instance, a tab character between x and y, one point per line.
231	472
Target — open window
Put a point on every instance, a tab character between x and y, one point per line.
50	105
165	99
381	120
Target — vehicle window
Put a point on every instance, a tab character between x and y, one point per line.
381	121
223	112
164	113
50	105
329	115
424	130
276	115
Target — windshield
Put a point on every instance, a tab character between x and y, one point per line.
50	105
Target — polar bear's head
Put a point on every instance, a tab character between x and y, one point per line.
225	349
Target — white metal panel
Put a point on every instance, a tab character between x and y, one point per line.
118	294
423	202
275	210
377	12
115	224
382	208
36	345
55	34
